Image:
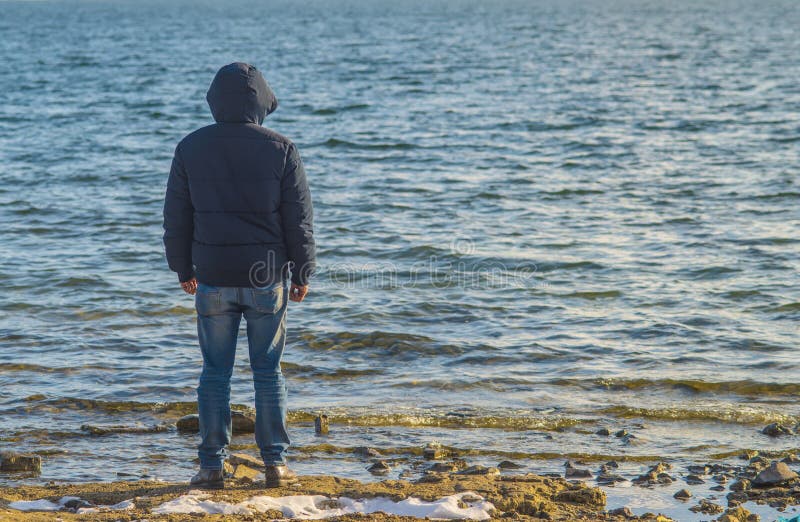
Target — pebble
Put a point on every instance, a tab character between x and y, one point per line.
379	468
621	433
477	469
603	432
622	512
507	464
683	494
434	451
188	423
365	451
740	485
609	478
694	479
707	507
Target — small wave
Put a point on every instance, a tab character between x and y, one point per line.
336	143
789	307
607	294
727	414
520	422
112	430
744	387
302	371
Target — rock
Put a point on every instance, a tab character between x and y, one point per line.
727	518
737	514
321	426
237	459
603	432
699	470
622	512
620	433
10	461
776	473
718	487
683	494
759	461
479	470
752	517
577	473
748	454
777	429
74	504
431	477
573	472
707	507
227	468
507	464
434	451
188	423
245	473
694	480
609	478
365	451
612	464
740	485
791	458
243	422
379	468
720	479
665	478
583	495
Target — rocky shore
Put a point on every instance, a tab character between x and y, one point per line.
437	482
484	490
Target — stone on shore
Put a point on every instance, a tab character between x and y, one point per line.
379	468
10	461
188	423
245	473
683	494
243	422
237	459
776	473
776	429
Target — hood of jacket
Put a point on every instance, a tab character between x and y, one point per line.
240	94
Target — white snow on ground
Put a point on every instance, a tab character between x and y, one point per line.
318	506
40	505
47	505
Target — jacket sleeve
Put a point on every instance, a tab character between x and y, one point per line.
178	221
297	217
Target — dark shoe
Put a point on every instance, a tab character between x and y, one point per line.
277	476
208	479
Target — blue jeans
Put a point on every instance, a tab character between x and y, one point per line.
219	313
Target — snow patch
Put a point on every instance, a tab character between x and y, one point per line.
48	505
310	507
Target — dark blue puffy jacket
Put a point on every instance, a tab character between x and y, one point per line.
238	209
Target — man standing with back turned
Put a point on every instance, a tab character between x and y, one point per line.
237	219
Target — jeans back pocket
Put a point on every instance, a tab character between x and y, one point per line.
268	300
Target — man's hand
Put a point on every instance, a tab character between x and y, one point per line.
190	286
297	293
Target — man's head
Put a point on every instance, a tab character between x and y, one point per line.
240	94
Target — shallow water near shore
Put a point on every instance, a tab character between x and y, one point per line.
535	220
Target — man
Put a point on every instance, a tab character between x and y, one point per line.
237	220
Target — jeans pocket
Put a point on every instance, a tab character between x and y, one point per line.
206	300
268	300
